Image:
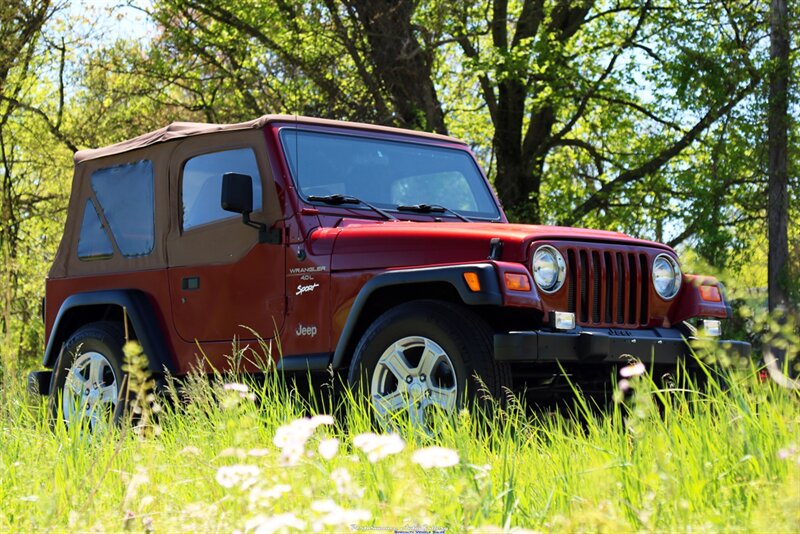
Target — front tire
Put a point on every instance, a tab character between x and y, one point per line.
424	356
88	381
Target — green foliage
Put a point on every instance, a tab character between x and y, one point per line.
33	167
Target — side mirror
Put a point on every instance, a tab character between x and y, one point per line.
237	196
237	193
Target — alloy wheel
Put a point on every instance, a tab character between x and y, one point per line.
90	391
415	376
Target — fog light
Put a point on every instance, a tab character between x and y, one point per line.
564	320
712	327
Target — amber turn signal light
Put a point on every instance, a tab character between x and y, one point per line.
517	282
710	293
472	281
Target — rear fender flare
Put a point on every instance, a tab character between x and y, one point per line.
139	314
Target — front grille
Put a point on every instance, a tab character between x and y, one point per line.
607	288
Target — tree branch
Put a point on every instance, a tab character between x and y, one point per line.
367	77
658	161
596	156
486	85
606	73
641	109
41	114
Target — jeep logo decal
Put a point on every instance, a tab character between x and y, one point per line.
309	331
615	332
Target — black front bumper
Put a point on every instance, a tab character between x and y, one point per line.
602	345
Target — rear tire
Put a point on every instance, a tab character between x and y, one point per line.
426	355
88	381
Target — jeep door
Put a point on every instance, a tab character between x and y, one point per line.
223	282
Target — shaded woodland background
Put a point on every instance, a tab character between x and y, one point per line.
674	121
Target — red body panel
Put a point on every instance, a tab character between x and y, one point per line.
152	283
690	304
223	304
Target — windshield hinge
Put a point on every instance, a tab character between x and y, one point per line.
495	248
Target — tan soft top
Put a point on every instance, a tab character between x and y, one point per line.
178	130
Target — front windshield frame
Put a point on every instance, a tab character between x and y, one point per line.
482	194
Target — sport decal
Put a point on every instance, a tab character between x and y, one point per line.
306	289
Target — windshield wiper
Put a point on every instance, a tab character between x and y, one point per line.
433	208
337	200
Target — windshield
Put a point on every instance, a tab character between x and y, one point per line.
387	174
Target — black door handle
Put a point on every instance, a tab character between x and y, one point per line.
191	283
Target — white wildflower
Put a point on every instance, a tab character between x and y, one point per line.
430	457
269	524
139	479
292	438
344	483
333	515
264	496
324	506
492	529
790	452
291	454
199	512
481	471
323	419
634	369
236	452
328	448
240	475
239	388
341	477
378	446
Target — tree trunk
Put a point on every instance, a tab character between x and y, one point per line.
778	119
520	158
511	180
404	67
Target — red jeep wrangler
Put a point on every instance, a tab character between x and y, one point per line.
376	251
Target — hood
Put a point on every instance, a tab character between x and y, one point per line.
378	245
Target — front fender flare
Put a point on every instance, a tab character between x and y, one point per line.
489	295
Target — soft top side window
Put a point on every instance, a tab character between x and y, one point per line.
202	184
124	195
93	243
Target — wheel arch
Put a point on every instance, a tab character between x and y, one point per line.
391	288
114	305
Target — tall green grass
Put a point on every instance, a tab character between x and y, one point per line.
725	457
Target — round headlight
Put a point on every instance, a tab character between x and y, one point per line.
549	269
666	276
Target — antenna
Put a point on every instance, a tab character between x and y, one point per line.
296	99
